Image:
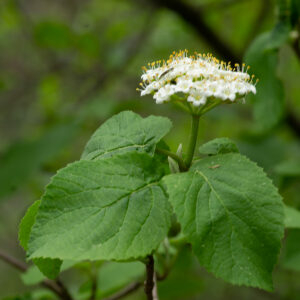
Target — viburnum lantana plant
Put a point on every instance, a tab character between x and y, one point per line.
130	198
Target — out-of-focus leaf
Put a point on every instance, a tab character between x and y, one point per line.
114	276
267	152
2	84
289	168
218	146
49	93
291	258
262	56
292	217
10	17
277	37
53	35
43	294
22	159
88	44
117	31
26	296
33	275
184	281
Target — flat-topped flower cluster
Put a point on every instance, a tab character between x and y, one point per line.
198	78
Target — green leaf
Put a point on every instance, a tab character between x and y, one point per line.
269	99
232	215
291	258
25	158
114	276
289	168
88	44
113	209
292	217
53	35
126	132
218	146
48	267
33	275
26	296
27	223
278	36
185	281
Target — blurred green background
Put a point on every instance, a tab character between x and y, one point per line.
68	65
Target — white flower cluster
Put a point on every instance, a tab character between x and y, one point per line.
199	78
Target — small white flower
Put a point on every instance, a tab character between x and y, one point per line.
201	78
197	98
164	93
183	85
153	86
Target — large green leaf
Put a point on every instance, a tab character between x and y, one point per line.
126	132
233	216
107	209
22	159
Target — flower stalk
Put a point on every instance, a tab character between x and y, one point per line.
193	140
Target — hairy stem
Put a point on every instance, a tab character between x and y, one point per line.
149	283
193	140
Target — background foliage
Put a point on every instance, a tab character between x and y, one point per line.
68	65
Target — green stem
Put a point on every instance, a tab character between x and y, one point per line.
179	160
193	140
208	108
